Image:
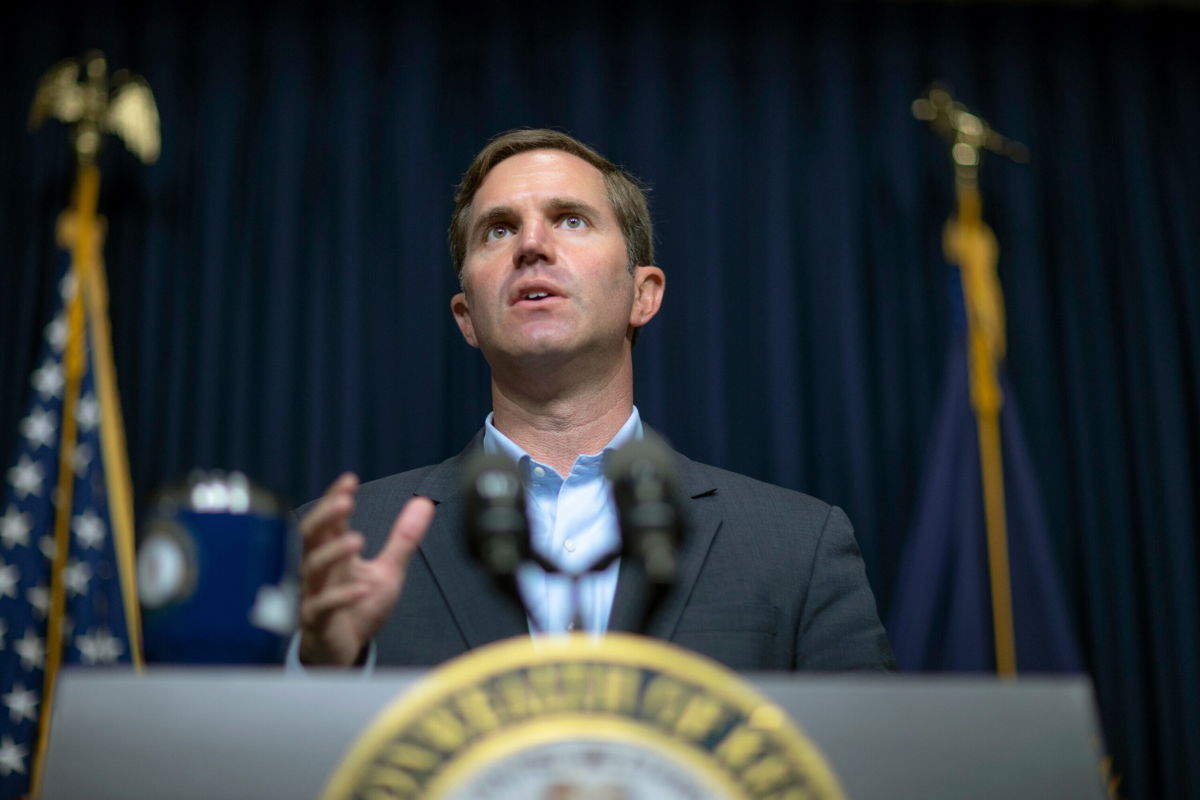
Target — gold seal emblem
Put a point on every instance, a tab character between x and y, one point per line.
577	717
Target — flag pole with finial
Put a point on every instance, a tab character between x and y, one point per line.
77	91
970	244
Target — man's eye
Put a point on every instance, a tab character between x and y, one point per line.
498	232
574	222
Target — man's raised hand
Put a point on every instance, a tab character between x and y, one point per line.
345	598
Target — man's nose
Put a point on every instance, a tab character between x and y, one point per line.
534	245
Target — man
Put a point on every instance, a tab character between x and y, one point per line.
552	244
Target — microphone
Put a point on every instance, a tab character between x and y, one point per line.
645	489
496	526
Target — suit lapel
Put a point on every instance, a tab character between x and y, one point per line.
701	522
483	613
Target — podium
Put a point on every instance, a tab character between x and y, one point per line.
192	733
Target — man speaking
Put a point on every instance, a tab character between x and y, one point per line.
553	248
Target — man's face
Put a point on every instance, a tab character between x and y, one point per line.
546	272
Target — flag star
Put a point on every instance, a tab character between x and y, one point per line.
26	477
89	527
87	648
22	704
9	576
47	546
88	413
31	650
14	528
12	757
39	598
66	287
48	379
56	332
81	459
76	577
39	428
99	647
111	648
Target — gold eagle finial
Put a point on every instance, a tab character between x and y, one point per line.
77	92
968	132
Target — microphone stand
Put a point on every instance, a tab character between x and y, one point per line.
648	511
576	577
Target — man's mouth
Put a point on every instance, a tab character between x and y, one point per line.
535	294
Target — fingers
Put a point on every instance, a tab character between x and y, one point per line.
330	515
323	639
407	532
319	564
344	598
315	609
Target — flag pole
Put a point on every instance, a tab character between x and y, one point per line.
92	109
84	247
970	244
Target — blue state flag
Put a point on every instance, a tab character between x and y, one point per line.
91	617
942	612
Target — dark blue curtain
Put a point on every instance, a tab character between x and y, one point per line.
280	281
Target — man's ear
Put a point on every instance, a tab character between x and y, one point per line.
462	315
648	285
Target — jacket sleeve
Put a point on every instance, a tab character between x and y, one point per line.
839	627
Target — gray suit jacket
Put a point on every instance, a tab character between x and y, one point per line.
769	579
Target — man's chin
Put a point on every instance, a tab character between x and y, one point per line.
546	352
566	356
543	340
530	351
544	347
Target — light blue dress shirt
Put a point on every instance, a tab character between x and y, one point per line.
572	523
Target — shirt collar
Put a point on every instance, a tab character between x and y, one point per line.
496	442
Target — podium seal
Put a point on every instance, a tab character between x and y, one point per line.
577	717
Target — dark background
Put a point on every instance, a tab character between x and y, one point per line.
280	283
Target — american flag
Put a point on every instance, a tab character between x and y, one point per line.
93	623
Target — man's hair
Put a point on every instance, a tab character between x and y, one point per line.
625	192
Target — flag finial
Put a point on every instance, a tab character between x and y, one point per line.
77	91
969	132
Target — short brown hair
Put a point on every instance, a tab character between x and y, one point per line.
626	193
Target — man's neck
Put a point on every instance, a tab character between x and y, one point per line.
556	429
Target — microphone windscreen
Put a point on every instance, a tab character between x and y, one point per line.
496	527
645	491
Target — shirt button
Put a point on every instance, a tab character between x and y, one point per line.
569	544
539	472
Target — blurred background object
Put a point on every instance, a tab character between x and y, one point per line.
213	577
